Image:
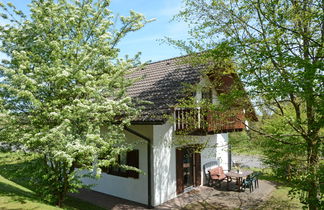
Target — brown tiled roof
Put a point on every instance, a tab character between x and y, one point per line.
162	84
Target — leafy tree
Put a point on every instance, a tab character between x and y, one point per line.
276	47
286	160
62	82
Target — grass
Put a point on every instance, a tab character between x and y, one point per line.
279	198
14	196
16	192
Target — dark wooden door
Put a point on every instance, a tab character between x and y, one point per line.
188	168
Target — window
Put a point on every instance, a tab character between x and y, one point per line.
207	95
130	158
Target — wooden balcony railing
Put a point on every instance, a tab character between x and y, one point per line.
220	123
187	119
198	121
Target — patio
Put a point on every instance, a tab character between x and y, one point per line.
199	198
220	198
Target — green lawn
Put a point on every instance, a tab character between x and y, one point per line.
279	197
14	196
279	200
15	191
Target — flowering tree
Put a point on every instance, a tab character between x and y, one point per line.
62	82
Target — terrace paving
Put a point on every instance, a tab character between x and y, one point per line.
202	197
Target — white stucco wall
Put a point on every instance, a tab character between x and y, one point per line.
216	150
222	150
164	159
123	187
164	164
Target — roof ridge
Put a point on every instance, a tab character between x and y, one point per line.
168	59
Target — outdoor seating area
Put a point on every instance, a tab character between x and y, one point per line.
244	179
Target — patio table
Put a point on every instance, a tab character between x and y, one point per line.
238	176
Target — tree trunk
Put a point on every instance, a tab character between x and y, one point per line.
312	138
289	172
313	162
60	199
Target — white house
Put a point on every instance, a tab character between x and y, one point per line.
168	169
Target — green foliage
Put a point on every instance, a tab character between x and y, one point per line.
277	50
62	82
288	157
281	155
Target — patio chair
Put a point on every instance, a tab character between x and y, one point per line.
206	168
255	179
216	176
247	183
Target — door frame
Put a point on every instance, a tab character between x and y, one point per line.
196	175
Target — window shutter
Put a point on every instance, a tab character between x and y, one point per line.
133	160
197	169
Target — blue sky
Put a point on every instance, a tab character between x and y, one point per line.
146	39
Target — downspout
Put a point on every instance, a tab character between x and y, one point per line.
149	173
229	157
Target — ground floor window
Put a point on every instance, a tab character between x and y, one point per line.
130	158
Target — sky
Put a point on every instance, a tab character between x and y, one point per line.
145	40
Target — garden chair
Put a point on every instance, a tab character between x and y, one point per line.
255	179
216	176
248	183
206	168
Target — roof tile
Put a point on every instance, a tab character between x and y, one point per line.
162	85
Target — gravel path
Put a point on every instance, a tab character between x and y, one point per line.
248	161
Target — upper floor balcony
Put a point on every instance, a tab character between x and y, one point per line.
197	121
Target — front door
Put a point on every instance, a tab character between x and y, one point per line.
188	168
